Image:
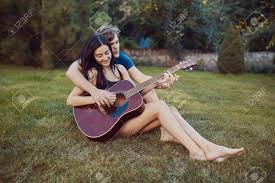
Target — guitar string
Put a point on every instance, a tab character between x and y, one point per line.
141	86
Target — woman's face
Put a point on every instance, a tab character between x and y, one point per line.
103	55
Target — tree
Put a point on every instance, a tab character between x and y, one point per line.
231	52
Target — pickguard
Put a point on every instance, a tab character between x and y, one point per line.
119	110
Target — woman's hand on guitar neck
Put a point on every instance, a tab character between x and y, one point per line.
167	81
103	98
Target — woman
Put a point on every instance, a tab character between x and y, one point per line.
99	68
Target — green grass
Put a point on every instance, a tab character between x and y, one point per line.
42	143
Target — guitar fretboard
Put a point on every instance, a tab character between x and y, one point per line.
149	82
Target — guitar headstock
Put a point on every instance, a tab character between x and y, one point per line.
187	65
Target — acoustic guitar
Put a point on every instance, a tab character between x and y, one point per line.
103	126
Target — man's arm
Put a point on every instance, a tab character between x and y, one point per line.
137	75
134	73
126	76
75	75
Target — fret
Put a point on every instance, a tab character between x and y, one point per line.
147	83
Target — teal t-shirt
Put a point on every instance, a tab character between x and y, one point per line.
124	60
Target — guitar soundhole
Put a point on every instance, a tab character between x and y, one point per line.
120	99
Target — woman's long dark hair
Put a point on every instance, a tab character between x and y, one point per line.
88	60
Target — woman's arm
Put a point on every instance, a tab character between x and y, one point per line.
75	98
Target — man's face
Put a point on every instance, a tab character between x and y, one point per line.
115	46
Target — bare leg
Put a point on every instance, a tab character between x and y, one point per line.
164	135
160	110
152	125
211	150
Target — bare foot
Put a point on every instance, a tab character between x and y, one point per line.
223	153
198	156
221	159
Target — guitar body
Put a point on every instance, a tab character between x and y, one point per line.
100	126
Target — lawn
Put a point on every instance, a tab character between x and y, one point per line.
41	143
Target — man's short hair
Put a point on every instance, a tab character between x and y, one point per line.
109	31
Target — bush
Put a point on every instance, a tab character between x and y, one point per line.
14	52
200	65
231	52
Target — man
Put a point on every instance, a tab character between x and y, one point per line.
112	33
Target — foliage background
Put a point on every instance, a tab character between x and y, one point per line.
54	32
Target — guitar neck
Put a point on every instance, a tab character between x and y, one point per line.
149	82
